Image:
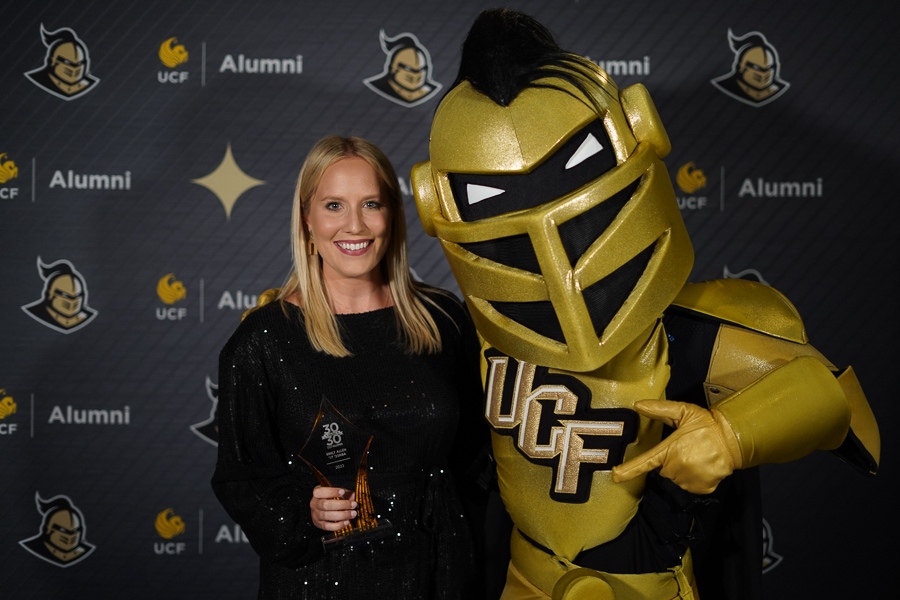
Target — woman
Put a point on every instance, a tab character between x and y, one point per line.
394	357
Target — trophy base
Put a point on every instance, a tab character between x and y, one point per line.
358	536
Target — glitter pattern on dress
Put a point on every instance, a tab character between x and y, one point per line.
424	411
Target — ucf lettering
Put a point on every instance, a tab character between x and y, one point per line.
550	417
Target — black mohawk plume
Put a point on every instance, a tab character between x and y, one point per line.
507	51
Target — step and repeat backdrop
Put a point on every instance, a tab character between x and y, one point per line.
148	155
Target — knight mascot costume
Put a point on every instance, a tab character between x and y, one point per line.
627	407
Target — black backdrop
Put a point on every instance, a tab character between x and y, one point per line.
149	366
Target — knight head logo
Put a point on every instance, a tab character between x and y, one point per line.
755	73
406	78
61	538
63	305
66	70
172	54
208	430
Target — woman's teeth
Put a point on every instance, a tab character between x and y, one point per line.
354	246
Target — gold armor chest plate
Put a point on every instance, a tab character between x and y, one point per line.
556	434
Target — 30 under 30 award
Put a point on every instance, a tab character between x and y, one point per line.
334	448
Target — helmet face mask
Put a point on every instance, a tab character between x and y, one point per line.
66	296
557	217
64	531
69	62
409	69
757	68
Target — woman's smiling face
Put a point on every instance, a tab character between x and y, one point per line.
349	221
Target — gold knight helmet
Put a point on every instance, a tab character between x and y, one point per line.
546	190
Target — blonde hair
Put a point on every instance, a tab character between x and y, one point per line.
417	328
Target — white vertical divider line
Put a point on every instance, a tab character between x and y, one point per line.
200	533
201	301
722	191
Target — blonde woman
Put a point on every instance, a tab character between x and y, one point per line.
396	358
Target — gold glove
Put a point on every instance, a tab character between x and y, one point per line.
700	453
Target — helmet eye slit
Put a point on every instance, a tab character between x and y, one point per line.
579	232
537	316
476	193
515	251
606	297
586	155
588	148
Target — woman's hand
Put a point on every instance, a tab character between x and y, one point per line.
332	508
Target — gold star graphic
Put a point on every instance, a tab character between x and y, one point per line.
228	182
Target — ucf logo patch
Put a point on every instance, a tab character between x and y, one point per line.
549	416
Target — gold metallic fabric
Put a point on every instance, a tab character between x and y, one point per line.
637	373
793	410
746	303
554	576
701	452
472	135
862	420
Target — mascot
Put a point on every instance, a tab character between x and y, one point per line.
627	407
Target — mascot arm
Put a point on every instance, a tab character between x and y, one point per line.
862	447
791	411
782	398
762	332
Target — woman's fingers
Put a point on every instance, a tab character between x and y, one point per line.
332	508
330	492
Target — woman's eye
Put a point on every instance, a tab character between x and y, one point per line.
333	205
373	204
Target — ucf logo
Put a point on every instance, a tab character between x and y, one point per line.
550	418
8	169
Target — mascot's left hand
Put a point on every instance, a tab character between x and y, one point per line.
701	452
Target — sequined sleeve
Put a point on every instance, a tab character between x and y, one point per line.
253	480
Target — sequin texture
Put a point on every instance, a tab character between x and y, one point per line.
424	413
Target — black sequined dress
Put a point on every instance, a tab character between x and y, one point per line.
423	412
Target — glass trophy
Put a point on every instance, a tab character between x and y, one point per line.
335	448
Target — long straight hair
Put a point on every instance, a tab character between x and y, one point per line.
418	330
